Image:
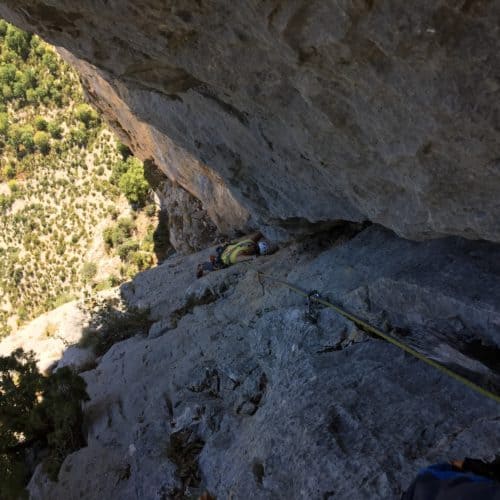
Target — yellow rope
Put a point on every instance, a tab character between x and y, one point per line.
369	328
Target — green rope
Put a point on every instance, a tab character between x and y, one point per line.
369	328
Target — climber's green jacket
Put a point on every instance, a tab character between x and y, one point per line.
231	253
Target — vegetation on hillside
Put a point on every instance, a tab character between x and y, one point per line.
36	412
64	181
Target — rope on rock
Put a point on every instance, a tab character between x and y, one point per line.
369	328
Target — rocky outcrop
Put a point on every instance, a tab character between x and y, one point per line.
181	216
151	144
236	391
291	116
288	114
49	336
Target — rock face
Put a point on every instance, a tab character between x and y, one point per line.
235	391
290	116
181	216
287	114
49	335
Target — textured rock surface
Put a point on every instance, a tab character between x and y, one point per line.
283	407
148	142
289	113
49	335
181	216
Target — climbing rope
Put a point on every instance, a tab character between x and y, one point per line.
371	329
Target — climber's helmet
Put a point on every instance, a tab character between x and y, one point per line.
263	247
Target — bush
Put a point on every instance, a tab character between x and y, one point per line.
18	41
114	236
6	91
150	210
133	183
13	186
41	123
55	130
9	171
31	96
143	260
64	298
21	138
79	137
7	74
87	115
89	270
6	202
127	248
107	236
3	27
123	150
4	124
42	141
49	60
110	282
125	226
25	80
119	168
36	411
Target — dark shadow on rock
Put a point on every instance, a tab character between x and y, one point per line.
183	224
162	246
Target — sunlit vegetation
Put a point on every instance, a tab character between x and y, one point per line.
64	181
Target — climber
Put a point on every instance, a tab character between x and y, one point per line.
469	478
234	252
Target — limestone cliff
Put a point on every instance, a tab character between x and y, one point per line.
236	391
289	114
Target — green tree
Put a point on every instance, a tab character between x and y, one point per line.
4	124
55	130
133	183
13	186
31	96
9	171
41	123
123	150
86	114
79	137
49	60
18	41
126	249
119	168
25	80
21	138
5	202
7	91
3	27
89	270
7	73
42	141
18	90
35	409
114	236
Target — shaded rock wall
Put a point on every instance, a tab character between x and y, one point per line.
182	219
285	114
